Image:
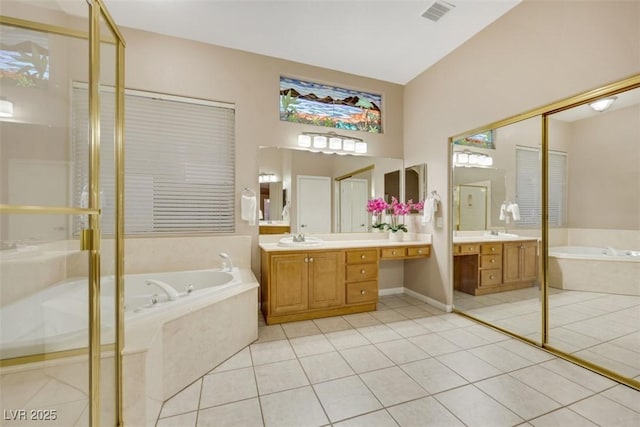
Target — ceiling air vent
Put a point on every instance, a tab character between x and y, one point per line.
437	10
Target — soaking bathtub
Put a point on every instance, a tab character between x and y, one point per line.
607	270
168	343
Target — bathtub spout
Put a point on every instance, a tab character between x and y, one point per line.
227	264
166	288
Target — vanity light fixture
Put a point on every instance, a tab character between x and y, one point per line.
304	141
267	177
338	144
471	159
603	104
349	145
319	141
6	108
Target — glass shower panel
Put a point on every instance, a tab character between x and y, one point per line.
108	70
594	233
497	222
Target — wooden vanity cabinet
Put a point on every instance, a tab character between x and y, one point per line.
488	267
361	276
520	262
304	281
309	284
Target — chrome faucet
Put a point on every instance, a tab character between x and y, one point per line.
298	237
166	288
227	264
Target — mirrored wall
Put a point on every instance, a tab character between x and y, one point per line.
315	192
546	219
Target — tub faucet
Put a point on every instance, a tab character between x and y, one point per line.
227	264
166	288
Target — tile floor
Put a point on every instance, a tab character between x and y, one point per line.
601	328
406	364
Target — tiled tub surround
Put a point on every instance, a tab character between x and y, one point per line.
405	364
162	353
595	269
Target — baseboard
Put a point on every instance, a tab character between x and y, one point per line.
432	302
390	291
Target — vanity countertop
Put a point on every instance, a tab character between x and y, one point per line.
491	238
329	242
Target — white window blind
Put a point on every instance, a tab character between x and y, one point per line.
179	162
529	187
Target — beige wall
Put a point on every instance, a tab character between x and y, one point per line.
537	53
604	171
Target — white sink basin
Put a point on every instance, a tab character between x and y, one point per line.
308	242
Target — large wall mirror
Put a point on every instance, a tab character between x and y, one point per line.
571	283
314	192
492	241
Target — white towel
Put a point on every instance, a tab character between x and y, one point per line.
503	212
515	211
248	209
430	208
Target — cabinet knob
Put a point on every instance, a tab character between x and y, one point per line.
419	251
492	277
492	261
362	292
470	248
310	259
362	271
393	252
522	247
493	249
306	260
362	256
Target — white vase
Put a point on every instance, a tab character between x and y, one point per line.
397	236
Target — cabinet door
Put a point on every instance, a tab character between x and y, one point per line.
326	279
529	261
511	262
289	283
520	261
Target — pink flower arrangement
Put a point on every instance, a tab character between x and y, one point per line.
376	207
401	209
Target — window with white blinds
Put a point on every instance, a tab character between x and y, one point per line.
529	187
179	162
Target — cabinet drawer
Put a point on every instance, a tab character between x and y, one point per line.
361	272
391	253
492	277
363	256
469	248
491	248
418	251
491	261
362	292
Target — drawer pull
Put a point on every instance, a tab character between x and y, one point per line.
306	260
492	277
470	248
362	292
492	261
393	252
362	256
310	259
362	271
493	249
419	251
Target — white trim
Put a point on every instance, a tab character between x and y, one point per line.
390	291
402	290
162	96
